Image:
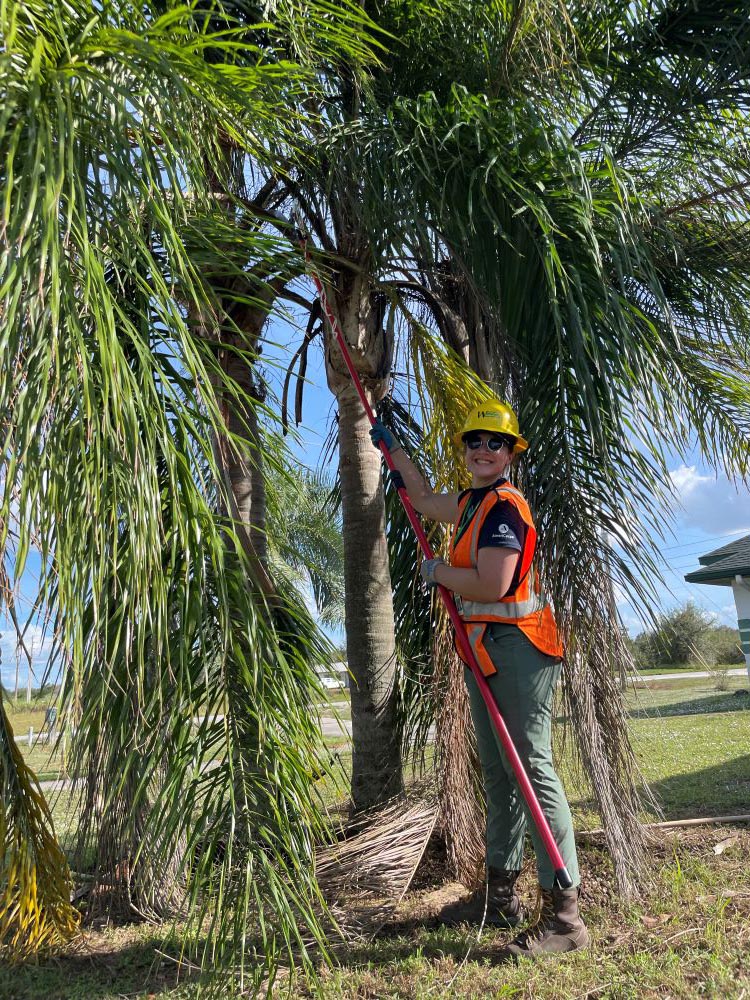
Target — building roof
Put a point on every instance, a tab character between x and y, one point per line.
722	565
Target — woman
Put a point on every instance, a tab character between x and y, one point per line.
516	642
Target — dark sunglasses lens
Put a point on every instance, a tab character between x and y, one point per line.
474	442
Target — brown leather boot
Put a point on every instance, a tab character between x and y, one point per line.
559	928
496	903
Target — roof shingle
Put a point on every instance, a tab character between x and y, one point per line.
722	565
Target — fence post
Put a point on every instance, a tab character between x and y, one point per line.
31	736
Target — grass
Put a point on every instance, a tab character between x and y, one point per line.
687	696
23	717
691	742
697	765
687	936
680	668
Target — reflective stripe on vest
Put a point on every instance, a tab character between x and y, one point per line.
505	609
475	634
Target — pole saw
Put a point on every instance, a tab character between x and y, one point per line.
540	821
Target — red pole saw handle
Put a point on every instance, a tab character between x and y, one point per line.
540	820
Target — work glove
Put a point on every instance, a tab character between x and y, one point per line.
427	569
379	432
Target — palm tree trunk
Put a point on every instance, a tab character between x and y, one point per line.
241	463
370	639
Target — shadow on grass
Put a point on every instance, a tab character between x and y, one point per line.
713	791
133	970
736	701
425	939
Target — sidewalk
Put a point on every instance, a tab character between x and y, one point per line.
640	679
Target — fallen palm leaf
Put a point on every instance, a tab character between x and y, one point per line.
724	844
364	875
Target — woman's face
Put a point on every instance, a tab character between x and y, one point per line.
487	457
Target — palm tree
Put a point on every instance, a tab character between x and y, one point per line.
190	691
304	534
584	190
460	182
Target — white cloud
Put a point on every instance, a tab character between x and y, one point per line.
38	642
711	503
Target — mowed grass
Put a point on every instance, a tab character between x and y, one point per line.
684	668
692	744
686	935
687	696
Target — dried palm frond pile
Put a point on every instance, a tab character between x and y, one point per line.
367	873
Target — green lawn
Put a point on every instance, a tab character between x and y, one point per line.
686	697
697	765
691	742
686	936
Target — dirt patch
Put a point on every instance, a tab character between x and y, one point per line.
725	847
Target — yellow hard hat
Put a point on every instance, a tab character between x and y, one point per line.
493	417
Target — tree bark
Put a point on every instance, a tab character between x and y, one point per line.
244	469
370	639
370	633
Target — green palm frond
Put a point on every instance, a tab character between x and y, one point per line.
191	694
599	229
304	532
215	753
657	73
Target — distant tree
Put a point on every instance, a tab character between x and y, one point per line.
305	542
721	644
679	637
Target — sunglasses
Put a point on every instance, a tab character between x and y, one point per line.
474	441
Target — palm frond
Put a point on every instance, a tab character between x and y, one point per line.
191	695
36	914
304	528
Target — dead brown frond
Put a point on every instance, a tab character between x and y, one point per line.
379	852
35	883
365	875
459	782
597	716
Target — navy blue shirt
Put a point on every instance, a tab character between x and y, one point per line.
503	527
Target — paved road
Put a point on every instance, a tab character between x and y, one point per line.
335	727
639	679
343	727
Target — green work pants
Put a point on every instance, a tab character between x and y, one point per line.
523	688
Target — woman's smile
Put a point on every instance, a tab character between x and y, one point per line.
486	466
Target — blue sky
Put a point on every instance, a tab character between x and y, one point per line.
711	512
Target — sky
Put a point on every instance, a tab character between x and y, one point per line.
711	512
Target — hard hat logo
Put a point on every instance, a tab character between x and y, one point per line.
493	417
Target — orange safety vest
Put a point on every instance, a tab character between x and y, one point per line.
526	606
